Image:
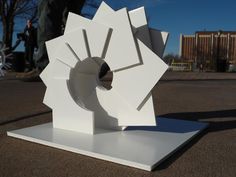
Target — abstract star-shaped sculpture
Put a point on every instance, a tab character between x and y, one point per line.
122	40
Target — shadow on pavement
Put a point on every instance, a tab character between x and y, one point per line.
210	117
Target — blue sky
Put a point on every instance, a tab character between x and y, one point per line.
182	16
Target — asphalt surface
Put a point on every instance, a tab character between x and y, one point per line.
211	154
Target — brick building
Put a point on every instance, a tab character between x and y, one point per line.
214	50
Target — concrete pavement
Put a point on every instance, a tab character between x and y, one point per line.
198	76
169	75
212	154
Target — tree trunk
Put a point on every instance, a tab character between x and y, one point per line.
9	9
8	26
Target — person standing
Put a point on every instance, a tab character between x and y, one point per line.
52	15
30	38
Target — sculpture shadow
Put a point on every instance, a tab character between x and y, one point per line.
170	126
216	119
211	118
102	119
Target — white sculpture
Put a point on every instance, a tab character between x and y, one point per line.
121	39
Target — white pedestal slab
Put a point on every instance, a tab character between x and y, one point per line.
139	147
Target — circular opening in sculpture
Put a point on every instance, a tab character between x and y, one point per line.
86	76
105	76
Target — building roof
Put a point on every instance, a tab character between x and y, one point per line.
215	32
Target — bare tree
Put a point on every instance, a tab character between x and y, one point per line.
170	57
13	10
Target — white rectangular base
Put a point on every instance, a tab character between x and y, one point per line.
139	147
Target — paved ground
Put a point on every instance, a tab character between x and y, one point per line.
212	154
171	76
198	76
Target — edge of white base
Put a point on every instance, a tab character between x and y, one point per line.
47	135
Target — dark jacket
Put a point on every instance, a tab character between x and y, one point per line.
30	36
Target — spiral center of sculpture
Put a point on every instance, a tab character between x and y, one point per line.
86	76
105	76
